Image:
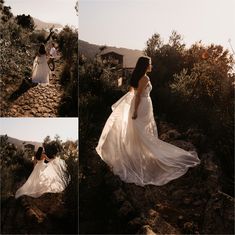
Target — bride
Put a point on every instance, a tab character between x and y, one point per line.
51	177
41	70
129	142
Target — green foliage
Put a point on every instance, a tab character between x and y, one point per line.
193	87
6	13
26	22
65	75
153	45
68	43
14	164
67	40
69	102
38	36
97	92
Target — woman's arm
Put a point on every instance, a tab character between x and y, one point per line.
131	89
141	85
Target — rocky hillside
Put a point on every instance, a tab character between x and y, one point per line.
192	204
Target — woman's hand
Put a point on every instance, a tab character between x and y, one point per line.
134	116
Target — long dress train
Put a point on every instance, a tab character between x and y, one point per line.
132	147
41	70
45	178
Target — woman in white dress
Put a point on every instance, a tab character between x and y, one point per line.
45	178
129	142
41	70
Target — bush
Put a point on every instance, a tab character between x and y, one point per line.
68	44
97	91
26	22
6	14
14	164
38	36
193	88
69	101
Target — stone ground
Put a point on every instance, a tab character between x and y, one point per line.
44	215
36	101
191	204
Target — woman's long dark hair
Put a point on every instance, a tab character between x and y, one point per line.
39	153
139	71
51	149
42	50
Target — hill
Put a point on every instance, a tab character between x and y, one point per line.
90	50
45	25
20	143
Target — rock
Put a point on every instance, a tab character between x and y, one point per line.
119	195
187	201
219	215
113	181
198	203
211	172
209	163
178	194
13	110
146	230
126	209
189	228
180	220
174	134
197	138
159	225
180	217
164	137
136	223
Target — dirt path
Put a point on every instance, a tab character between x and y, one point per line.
37	101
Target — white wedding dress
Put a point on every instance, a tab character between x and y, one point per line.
132	148
41	70
45	178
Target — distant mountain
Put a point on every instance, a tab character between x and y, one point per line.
44	25
20	143
90	50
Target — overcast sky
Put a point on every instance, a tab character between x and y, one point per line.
51	11
36	129
130	23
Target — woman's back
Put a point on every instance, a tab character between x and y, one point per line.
41	71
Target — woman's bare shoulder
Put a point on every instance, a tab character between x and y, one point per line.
144	79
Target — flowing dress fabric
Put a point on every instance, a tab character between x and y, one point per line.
132	147
41	70
45	178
